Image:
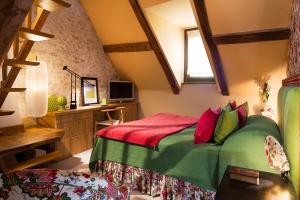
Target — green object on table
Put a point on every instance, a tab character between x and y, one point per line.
61	102
52	103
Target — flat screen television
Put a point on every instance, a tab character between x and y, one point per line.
120	91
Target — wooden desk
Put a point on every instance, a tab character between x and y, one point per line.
12	143
79	125
269	182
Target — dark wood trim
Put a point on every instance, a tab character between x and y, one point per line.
127	47
253	36
215	55
292	81
155	46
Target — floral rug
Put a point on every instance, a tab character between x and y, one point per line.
36	184
151	183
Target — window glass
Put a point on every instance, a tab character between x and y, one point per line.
198	66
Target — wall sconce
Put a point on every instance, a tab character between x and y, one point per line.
37	90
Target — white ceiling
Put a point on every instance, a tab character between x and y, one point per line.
178	12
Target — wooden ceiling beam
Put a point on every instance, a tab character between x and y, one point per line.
127	47
155	46
253	36
215	55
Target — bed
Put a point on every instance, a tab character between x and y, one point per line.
199	167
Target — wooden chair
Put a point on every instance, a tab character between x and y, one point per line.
111	121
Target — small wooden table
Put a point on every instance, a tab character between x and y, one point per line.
20	141
270	184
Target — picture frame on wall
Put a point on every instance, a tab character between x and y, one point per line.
89	91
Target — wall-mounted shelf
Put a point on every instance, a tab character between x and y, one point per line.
33	35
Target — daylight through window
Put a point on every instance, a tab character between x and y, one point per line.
197	64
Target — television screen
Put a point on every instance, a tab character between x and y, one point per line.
121	90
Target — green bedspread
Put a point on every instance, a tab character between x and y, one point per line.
245	148
200	164
177	156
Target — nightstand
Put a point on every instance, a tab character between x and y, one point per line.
270	184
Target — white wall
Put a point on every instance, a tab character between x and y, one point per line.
171	39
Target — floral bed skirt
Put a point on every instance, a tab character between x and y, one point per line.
151	183
58	185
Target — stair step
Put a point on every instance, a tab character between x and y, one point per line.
20	63
35	161
52	5
6	112
12	89
34	35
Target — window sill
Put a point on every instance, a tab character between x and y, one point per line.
199	81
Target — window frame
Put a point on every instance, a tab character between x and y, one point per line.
187	79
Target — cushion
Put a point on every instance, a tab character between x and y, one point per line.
232	104
206	125
277	159
243	111
228	107
227	123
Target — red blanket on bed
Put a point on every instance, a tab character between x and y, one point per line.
148	131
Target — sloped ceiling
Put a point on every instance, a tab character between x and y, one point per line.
115	23
180	8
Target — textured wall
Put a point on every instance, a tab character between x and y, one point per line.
12	14
294	44
76	45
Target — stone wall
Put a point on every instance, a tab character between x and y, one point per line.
294	43
76	45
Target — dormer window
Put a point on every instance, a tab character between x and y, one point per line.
197	65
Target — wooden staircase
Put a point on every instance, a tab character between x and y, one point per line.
30	32
19	31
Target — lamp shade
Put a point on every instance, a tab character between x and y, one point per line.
37	90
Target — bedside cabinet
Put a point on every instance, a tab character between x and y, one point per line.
270	186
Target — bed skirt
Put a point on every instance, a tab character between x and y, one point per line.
151	183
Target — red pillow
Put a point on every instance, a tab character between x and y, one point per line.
206	125
243	113
233	104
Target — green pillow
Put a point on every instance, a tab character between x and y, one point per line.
227	123
227	107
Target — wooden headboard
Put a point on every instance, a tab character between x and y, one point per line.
289	123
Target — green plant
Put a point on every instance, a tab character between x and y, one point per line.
264	89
